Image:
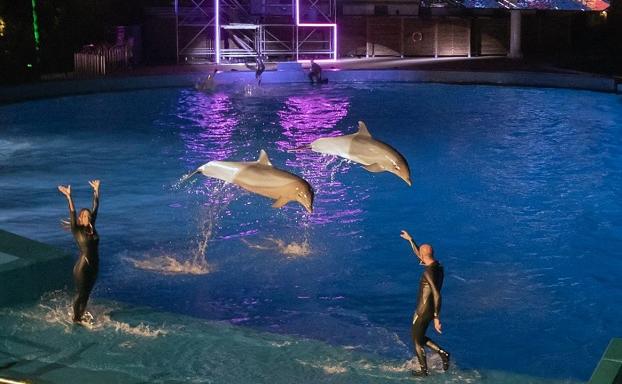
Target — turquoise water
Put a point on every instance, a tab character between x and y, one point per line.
517	189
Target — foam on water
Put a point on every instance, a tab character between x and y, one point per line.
219	195
56	308
121	344
291	250
166	264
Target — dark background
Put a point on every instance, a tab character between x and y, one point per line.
66	25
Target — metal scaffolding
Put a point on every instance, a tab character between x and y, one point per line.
236	30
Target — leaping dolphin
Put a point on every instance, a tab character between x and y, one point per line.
360	147
262	178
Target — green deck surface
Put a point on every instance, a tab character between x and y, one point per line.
609	369
29	268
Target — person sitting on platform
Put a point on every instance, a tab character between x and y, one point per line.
261	67
315	74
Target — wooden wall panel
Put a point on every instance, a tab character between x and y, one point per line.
453	37
384	35
424	28
351	35
494	35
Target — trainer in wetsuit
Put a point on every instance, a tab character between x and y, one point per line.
83	230
428	305
315	73
260	68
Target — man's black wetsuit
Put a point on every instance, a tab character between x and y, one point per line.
86	268
428	307
315	74
260	69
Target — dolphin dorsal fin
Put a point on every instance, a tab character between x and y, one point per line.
363	131
263	158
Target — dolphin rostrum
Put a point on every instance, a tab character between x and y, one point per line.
360	147
262	178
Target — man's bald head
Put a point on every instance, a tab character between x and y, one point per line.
426	251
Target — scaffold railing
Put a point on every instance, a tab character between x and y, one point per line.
236	30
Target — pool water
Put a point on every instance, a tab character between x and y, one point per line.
519	191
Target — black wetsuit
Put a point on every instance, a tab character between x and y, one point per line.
86	268
260	68
315	75
428	307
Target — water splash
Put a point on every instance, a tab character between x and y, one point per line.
291	250
169	265
56	308
219	195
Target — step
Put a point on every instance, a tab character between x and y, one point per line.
29	268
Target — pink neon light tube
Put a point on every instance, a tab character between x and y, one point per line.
298	24
217	31
327	25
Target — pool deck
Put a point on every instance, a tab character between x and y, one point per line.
609	369
29	268
480	70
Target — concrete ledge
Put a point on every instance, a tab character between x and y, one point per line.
116	84
609	369
29	268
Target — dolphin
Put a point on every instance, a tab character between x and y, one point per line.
262	178
360	147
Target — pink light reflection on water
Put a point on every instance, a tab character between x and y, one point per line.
304	119
209	134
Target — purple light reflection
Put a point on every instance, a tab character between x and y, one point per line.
305	119
215	119
209	134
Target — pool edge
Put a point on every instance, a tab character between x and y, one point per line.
36	268
53	89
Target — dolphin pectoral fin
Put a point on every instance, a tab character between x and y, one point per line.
263	158
280	202
363	131
375	167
